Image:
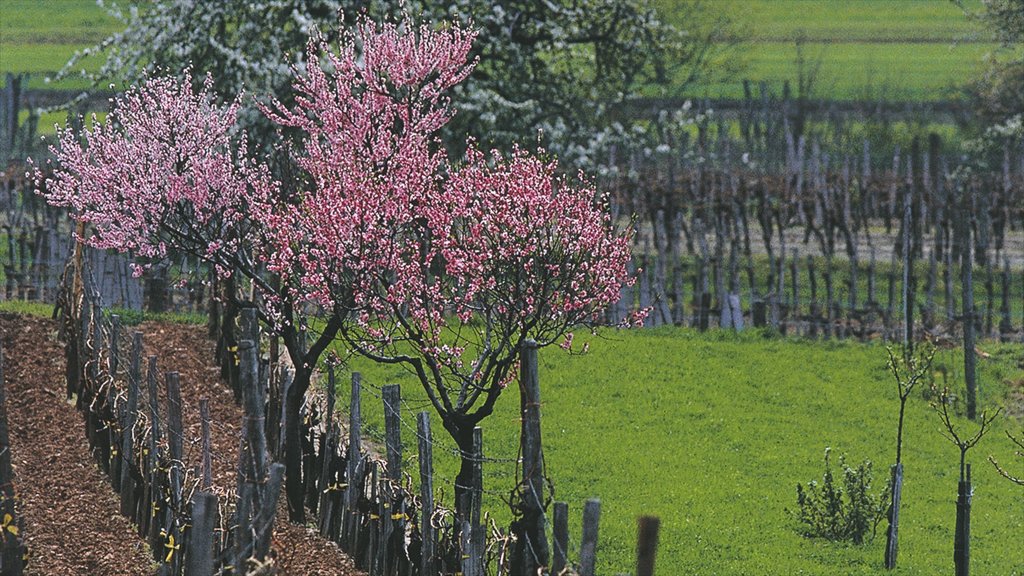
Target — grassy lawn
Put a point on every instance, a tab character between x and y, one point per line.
38	37
712	432
844	21
898	49
860	70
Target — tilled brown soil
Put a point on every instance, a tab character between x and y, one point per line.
71	524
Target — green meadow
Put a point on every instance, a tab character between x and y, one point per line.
712	432
896	49
38	37
914	50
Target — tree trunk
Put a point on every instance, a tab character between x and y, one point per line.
294	486
461	431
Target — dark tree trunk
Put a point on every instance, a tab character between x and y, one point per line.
461	430
294	486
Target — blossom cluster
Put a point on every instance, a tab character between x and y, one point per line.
162	170
456	263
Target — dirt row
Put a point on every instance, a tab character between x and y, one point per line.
71	524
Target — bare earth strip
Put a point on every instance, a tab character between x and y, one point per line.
71	520
70	513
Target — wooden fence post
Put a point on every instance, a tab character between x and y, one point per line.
206	464
329	446
531	550
560	535
428	564
200	561
115	428
588	539
892	535
355	467
131	414
962	533
267	510
646	545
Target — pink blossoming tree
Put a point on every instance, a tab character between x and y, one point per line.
164	174
446	269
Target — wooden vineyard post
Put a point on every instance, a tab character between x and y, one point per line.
531	550
759	313
646	545
156	509
908	276
131	415
12	552
330	444
392	396
353	475
114	427
967	281
256	488
175	440
588	539
962	532
268	507
737	312
892	534
477	532
206	462
560	535
200	544
391	519
428	564
928	321
97	408
1005	325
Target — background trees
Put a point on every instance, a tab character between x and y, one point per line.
997	94
554	68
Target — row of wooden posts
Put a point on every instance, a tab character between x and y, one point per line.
140	447
367	505
807	299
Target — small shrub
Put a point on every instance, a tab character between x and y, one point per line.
841	509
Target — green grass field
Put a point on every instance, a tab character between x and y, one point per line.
38	37
860	70
843	21
712	432
898	49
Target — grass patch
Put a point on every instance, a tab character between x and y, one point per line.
80	22
913	50
136	317
711	432
842	21
128	317
859	71
28	308
38	37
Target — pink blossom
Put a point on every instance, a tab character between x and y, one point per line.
162	169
